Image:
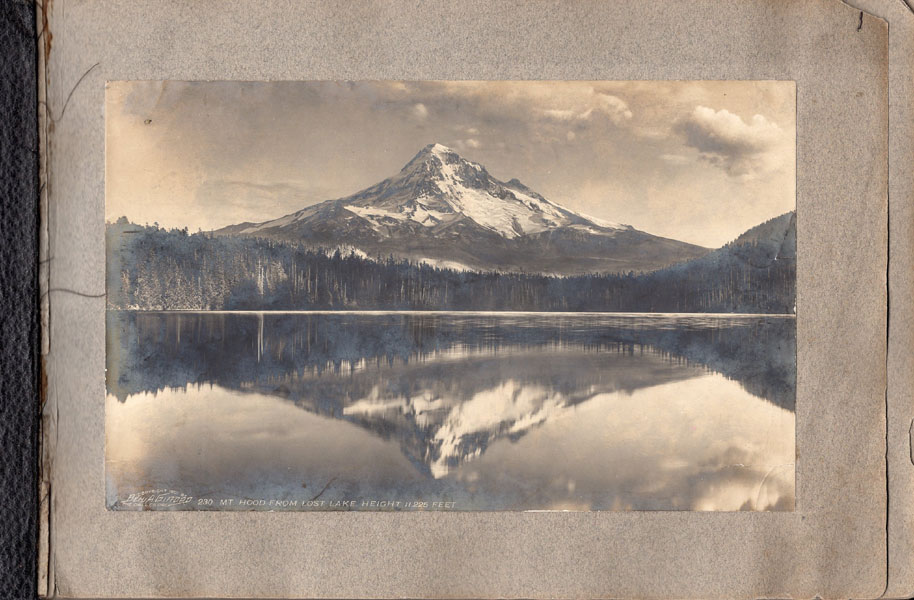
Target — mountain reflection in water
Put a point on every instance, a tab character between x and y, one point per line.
490	411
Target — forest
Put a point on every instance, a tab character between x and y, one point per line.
150	268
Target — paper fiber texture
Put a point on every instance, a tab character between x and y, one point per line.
832	545
900	406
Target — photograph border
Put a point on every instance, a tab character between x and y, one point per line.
173	489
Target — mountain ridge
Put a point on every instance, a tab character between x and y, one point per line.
442	208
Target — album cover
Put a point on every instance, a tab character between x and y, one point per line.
475	299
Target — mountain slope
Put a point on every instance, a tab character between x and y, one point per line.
443	209
755	273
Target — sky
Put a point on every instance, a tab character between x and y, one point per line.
698	161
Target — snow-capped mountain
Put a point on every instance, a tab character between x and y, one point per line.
443	209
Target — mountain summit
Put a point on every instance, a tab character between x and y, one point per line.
439	186
446	210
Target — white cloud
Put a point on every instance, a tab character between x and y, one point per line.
420	111
575	101
560	114
741	149
675	159
468	143
582	107
615	107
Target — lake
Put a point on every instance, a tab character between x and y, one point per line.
450	411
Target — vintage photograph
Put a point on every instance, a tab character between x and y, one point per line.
451	295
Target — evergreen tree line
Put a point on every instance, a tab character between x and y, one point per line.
156	269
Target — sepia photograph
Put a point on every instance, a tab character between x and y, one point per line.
451	295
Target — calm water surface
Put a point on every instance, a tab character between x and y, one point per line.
484	411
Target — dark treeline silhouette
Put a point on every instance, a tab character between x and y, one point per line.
269	352
150	268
